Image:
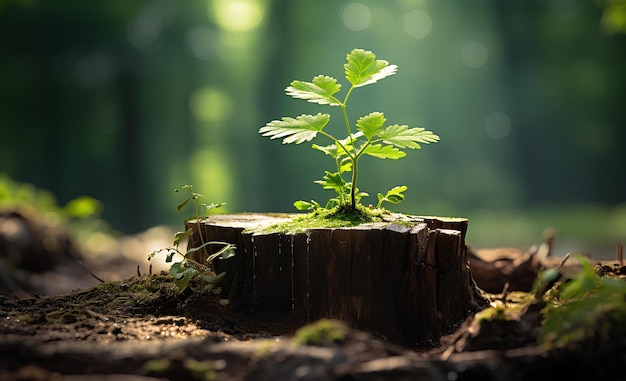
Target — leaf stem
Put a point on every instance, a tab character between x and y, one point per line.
354	158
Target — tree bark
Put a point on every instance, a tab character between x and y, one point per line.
407	280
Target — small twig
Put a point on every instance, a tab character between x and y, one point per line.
92	274
150	269
138	272
505	293
620	253
565	258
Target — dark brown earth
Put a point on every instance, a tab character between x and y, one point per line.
142	328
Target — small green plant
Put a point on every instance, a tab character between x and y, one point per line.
586	307
80	216
370	136
189	271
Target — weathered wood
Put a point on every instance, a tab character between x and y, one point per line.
409	282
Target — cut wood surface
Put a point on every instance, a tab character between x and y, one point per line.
407	280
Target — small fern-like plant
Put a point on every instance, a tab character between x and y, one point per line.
369	136
187	271
586	307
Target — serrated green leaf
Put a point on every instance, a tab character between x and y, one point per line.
336	151
383	152
394	195
371	125
319	91
404	137
345	165
302	128
332	181
330	150
362	68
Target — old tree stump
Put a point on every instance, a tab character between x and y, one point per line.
406	280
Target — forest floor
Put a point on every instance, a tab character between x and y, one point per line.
141	327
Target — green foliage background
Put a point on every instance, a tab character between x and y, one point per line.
124	101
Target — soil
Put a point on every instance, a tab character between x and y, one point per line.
143	328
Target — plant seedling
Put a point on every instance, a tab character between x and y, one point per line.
370	135
188	270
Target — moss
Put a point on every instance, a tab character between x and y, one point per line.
327	219
323	332
138	285
510	309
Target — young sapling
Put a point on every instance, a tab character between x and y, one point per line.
188	270
369	136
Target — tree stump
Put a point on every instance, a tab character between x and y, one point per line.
407	280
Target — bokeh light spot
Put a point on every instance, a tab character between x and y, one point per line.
144	31
417	24
209	104
498	125
201	42
212	173
237	15
474	54
357	16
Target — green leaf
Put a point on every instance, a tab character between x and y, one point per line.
383	152
394	195
170	255
371	124
405	137
319	91
225	252
208	207
345	165
332	181
307	206
336	152
151	255
186	186
179	236
302	128
182	275
198	248
180	207
330	150
363	68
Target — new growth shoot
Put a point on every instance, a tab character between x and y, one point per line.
190	271
370	135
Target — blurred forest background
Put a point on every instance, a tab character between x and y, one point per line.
126	100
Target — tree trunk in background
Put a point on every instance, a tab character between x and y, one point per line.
407	281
